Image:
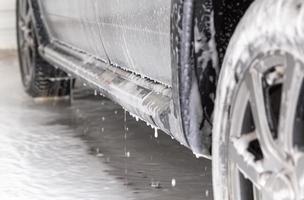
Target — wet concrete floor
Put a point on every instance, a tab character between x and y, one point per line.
89	150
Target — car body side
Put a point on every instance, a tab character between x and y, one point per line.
164	55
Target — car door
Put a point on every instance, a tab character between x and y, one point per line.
131	34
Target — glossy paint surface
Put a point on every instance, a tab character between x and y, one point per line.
131	34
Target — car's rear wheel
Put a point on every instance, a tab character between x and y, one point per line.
258	138
39	78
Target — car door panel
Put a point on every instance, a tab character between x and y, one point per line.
132	34
72	22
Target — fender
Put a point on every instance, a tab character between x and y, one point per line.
194	69
200	33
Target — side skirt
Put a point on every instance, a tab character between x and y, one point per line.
144	99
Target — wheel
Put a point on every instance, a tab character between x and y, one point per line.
39	78
258	140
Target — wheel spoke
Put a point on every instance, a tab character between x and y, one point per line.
22	26
290	95
24	8
245	161
26	60
267	181
300	173
30	42
21	11
266	143
27	18
24	65
24	14
257	102
22	44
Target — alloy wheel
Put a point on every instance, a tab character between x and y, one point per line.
26	40
266	158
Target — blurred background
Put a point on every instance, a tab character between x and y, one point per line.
7	24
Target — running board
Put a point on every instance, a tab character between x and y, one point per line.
143	98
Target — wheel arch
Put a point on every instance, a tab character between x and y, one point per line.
226	18
200	33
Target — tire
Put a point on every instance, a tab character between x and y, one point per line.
258	126
39	78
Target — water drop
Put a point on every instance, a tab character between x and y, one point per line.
155	132
207	193
95	92
197	155
125	116
128	154
173	182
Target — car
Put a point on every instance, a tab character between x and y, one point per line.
224	78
